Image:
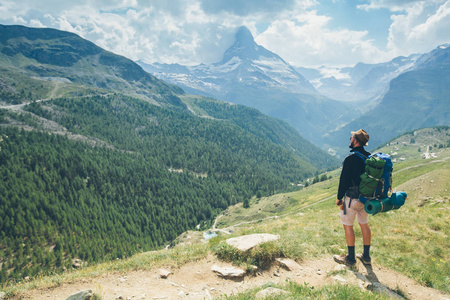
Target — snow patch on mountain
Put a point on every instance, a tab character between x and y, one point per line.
227	67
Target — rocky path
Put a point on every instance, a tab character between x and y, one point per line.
196	280
209	278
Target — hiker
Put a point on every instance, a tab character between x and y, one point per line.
347	198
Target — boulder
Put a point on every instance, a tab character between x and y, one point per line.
81	295
247	242
289	264
164	273
230	272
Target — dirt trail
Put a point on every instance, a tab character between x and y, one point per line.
18	107
196	281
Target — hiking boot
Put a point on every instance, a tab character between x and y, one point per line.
344	260
364	260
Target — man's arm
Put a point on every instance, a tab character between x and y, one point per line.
345	181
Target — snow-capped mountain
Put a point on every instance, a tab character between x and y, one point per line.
439	57
322	104
362	82
253	76
418	97
244	62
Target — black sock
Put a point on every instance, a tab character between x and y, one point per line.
351	253
366	252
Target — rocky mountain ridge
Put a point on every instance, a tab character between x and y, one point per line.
361	82
244	61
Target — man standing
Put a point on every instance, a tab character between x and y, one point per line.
347	198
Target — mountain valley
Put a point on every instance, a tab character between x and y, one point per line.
323	108
109	169
101	160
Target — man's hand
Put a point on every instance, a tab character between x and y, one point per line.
338	202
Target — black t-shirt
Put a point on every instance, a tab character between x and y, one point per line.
352	168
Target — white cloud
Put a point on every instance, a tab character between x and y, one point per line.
36	23
19	20
312	43
196	31
393	5
417	26
423	26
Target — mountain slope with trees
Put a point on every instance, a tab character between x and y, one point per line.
97	164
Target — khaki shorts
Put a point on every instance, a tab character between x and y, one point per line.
356	209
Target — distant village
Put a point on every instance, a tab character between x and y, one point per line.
426	155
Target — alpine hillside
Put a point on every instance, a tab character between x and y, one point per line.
417	98
100	160
409	249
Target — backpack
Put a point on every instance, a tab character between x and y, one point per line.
376	181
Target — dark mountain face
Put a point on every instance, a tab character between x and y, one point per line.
417	98
439	57
363	82
37	44
54	53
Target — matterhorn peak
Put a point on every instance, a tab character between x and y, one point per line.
244	37
245	47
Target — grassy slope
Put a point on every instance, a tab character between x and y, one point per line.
412	240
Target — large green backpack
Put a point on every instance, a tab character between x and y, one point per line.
376	180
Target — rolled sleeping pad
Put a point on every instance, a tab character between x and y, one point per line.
375	206
398	199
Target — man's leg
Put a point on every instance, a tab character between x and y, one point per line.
347	221
349	235
350	238
366	233
367	236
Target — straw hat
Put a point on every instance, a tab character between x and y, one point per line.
362	136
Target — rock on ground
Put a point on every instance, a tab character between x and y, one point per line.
164	273
289	264
230	272
81	295
247	242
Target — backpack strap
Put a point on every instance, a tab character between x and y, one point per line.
362	156
362	199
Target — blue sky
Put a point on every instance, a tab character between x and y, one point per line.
307	33
345	14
